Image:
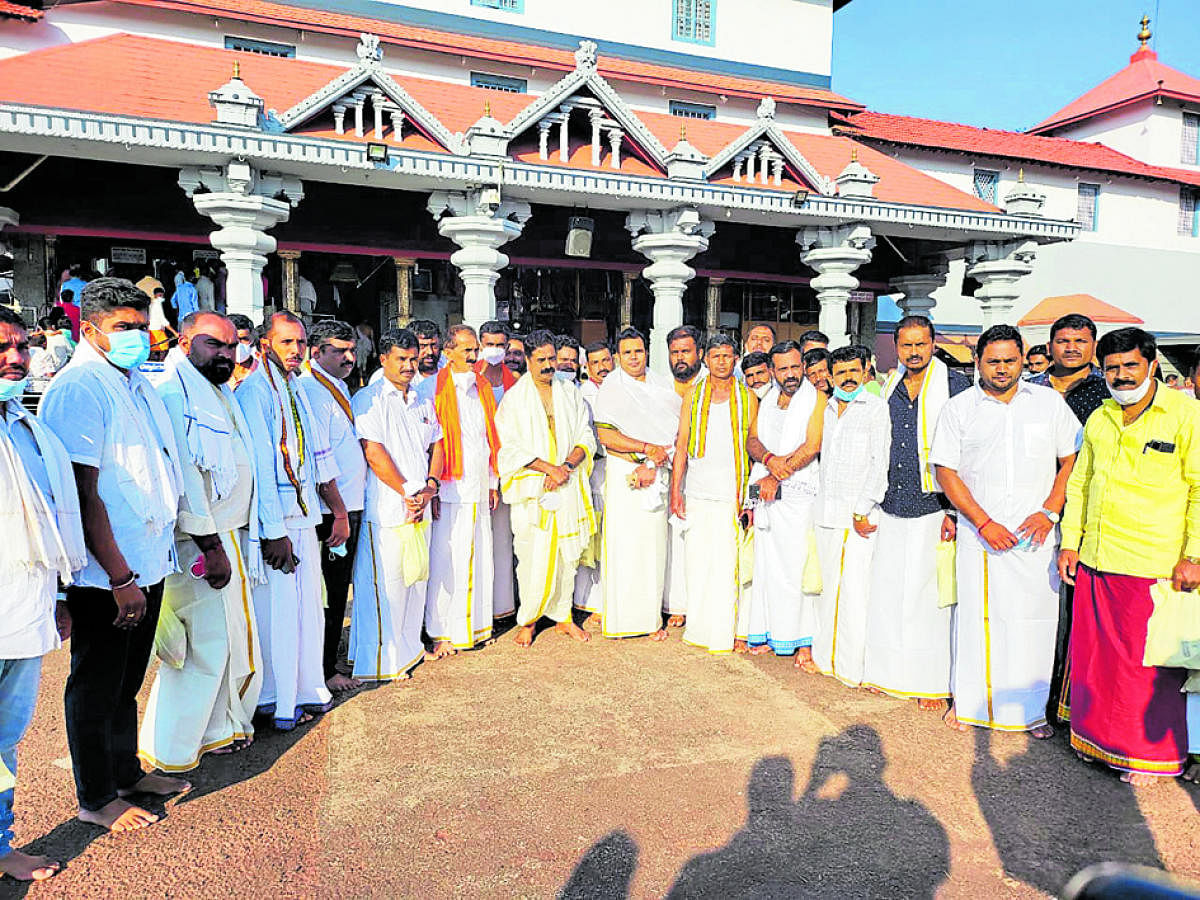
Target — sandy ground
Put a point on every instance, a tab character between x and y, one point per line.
613	769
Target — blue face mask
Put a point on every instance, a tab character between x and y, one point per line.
11	390
128	349
846	396
564	375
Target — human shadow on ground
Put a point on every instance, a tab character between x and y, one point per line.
606	870
848	835
1051	815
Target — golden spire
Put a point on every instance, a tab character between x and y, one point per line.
1021	175
487	109
1144	35
853	154
683	131
237	70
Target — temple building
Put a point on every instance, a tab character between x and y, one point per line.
553	164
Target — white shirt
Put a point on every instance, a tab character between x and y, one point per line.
712	476
306	296
1006	453
407	427
205	293
338	432
855	451
477	478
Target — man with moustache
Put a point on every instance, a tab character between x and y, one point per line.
122	447
397	430
294	470
493	341
1003	452
546	447
1131	528
637	415
566	349
459	599
756	372
908	633
333	348
784	481
207	704
515	357
429	357
708	488
588	597
683	353
816	369
42	546
1081	383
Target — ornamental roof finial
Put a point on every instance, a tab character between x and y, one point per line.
1144	35
853	154
683	131
237	69
1021	175
487	109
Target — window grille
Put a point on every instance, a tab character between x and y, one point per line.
986	182
1089	198
499	83
1189	220
1190	152
694	21
686	110
263	48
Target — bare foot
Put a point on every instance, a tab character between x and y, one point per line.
524	636
339	683
759	650
441	650
952	720
660	635
1142	779
740	647
161	785
573	631
804	661
236	747
923	703
1041	733
1192	772
1084	758
24	867
594	619
874	690
118	815
677	621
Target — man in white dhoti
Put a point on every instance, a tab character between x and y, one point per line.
459	604
493	347
333	349
42	545
1004	451
683	357
204	695
292	468
397	431
854	463
708	488
546	447
588	597
637	413
784	482
122	447
908	632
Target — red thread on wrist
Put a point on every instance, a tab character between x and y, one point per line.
986	523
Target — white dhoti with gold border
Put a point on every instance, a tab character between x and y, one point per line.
839	638
459	599
385	623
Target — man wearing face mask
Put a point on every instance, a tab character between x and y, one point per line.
588	597
546	447
245	358
1003	451
42	545
207	704
1131	528
122	445
333	348
295	470
756	372
566	355
683	357
57	352
854	467
493	343
459	603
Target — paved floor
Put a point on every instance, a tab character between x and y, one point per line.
609	770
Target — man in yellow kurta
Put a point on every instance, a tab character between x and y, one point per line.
546	449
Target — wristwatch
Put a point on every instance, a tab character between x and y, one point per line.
1052	516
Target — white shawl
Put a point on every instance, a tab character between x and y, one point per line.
935	392
796	417
643	410
33	536
144	450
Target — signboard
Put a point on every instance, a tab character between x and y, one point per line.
862	296
128	255
207	253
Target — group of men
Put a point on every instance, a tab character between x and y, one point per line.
782	503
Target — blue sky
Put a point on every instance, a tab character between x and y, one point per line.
1006	64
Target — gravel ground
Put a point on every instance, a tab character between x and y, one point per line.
613	769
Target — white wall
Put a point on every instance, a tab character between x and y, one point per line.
1146	131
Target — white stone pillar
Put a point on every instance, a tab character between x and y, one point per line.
918	289
998	266
668	239
241	202
479	225
834	253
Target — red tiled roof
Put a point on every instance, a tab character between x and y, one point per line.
1007	144
154	78
503	51
19	11
1145	78
1052	309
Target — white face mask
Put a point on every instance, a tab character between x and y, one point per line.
762	390
243	353
1130	396
493	356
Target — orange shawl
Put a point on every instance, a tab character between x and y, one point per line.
445	402
507	376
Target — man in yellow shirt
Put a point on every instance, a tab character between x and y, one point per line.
1132	517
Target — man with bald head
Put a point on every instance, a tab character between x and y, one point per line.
293	467
207	704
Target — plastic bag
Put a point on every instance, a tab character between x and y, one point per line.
414	552
947	574
1173	632
170	638
811	581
